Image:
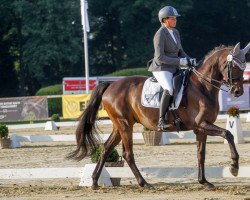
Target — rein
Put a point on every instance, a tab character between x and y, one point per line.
205	78
231	62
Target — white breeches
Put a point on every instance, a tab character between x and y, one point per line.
165	79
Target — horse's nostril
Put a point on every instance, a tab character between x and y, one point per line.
237	92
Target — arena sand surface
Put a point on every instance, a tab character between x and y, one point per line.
181	152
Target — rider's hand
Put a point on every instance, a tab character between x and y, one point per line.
184	62
191	62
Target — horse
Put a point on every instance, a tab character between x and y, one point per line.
122	101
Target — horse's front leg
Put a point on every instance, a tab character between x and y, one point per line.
213	130
201	155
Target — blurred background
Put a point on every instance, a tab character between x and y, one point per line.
41	41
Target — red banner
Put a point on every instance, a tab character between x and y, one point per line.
72	85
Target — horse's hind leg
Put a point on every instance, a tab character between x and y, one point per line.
109	145
128	155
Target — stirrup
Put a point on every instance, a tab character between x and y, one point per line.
162	125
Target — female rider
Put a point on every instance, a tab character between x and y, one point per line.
168	57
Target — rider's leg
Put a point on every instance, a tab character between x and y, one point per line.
165	80
163	112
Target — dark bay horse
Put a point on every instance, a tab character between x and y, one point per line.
122	101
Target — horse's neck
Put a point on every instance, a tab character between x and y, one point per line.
210	71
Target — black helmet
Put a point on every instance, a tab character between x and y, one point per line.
167	11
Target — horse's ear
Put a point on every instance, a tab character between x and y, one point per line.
236	49
246	49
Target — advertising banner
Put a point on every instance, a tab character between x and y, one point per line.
23	108
74	105
77	85
226	100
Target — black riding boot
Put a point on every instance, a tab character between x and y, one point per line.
165	100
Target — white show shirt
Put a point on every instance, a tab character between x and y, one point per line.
172	34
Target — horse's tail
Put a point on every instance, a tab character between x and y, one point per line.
86	134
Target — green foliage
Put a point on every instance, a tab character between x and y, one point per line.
52	36
9	85
215	21
55	117
50	90
112	157
4	131
131	72
54	104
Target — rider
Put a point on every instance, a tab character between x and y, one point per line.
168	57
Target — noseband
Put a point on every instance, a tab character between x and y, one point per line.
232	61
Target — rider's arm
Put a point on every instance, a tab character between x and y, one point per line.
159	43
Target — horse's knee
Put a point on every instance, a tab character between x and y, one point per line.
229	136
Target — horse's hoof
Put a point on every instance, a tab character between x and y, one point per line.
95	187
145	184
208	185
234	170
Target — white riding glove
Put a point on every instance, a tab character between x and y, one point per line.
192	61
183	62
188	62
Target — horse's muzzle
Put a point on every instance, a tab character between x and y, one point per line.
237	91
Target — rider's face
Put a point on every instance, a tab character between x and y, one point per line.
170	22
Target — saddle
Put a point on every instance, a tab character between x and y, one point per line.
180	78
152	92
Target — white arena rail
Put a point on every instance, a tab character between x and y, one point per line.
100	122
116	172
137	138
59	124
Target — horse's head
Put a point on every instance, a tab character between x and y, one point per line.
233	70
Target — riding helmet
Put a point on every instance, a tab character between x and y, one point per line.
167	11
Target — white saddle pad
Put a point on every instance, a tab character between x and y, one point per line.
151	93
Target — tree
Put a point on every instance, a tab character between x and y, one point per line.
41	41
212	23
50	38
122	31
8	53
106	43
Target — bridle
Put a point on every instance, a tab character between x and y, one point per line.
231	62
